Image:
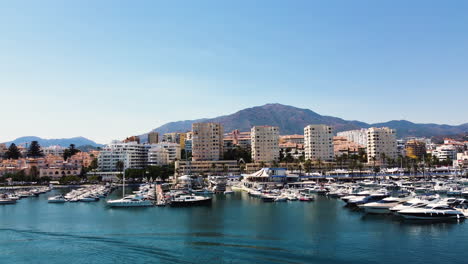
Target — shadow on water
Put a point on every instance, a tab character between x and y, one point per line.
112	244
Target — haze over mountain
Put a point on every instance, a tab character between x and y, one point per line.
64	142
292	120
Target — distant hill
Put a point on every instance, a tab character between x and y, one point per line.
64	142
292	120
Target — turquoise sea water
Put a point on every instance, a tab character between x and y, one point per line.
234	229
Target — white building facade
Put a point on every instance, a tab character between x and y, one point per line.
318	142
264	143
381	142
132	154
357	136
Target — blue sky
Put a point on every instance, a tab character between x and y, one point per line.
109	69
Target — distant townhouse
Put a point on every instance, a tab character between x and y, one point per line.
296	139
341	146
53	150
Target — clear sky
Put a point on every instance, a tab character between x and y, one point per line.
109	69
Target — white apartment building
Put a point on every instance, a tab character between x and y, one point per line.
53	150
318	142
381	141
445	152
173	150
265	143
132	154
462	160
357	136
158	156
207	141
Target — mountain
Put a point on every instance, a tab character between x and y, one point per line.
292	120
64	142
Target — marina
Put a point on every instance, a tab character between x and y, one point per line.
235	228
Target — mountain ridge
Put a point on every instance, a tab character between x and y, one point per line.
64	142
292	120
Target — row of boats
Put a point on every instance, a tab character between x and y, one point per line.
90	193
14	195
410	207
150	195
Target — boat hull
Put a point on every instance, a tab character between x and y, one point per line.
190	203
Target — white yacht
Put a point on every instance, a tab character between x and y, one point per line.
439	211
383	206
57	199
413	203
187	200
130	201
374	197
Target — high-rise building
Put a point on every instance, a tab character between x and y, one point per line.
153	138
318	142
358	136
132	154
381	142
265	143
207	141
415	149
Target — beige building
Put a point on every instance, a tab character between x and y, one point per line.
297	139
265	143
207	141
381	141
318	142
158	156
153	138
220	167
343	145
173	151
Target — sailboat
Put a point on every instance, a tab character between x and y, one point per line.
130	200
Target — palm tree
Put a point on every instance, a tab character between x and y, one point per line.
383	158
119	165
307	166
374	159
213	168
275	164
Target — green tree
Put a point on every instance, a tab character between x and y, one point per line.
94	164
70	151
119	165
12	152
307	166
34	150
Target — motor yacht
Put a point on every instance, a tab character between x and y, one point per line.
438	211
188	200
4	199
374	197
383	206
57	199
413	203
130	201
